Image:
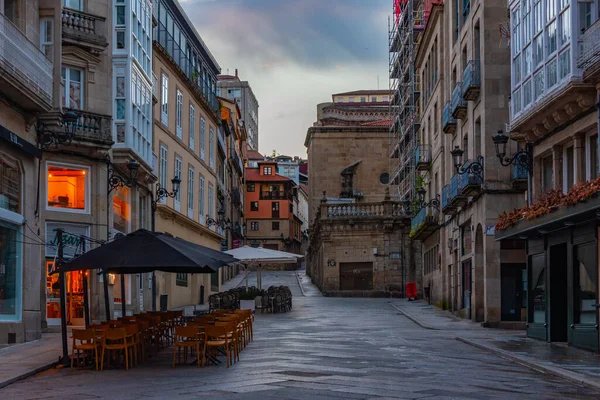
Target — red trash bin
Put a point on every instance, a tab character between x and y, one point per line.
411	290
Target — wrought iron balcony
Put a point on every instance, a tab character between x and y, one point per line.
456	196
236	161
25	72
471	85
84	30
424	223
459	104
447	206
423	157
448	121
275	195
221	140
469	183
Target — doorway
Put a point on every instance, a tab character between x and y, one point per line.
356	276
74	285
558	307
513	300
466	286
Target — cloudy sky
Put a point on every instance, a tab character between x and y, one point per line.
295	54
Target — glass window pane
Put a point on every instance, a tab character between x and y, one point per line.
538	292
564	62
586	275
550	9
551	32
527	93
10	271
538	50
10	185
120	15
527	61
539	83
551	73
67	187
565	26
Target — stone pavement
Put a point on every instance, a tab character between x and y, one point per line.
324	349
23	360
576	365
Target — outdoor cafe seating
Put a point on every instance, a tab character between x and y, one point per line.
133	340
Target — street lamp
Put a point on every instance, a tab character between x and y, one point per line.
474	168
116	181
47	137
220	221
434	203
521	159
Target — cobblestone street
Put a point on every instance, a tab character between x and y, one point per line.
325	348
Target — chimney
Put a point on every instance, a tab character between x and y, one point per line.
236	74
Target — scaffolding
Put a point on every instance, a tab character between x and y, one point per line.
405	28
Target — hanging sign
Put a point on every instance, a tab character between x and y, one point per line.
71	239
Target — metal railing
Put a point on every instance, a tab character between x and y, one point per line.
471	75
519	172
23	60
237	162
423	154
590	49
445	196
454	187
419	219
448	118
201	84
273	195
221	140
457	98
82	22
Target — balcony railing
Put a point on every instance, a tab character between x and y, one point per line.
447	206
221	140
201	85
92	127
590	51
519	173
82	28
423	157
235	159
454	187
424	223
273	195
471	84
26	70
459	104
448	121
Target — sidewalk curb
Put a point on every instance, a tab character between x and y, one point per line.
300	283
526	362
413	319
28	374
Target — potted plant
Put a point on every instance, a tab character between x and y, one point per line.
247	300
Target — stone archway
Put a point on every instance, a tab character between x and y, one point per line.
478	277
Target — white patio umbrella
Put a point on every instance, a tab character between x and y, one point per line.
258	255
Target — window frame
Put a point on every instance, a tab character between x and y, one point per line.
254	226
252	206
179	115
177	165
202	137
192	130
88	188
163	170
201	217
16	226
190	196
44	22
66	83
164	100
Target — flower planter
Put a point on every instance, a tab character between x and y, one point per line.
247	305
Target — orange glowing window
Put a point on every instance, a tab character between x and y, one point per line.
67	187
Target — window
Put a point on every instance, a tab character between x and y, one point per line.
585	269
363	99
275	225
202	136
11	285
68	187
163	170
267	171
179	114
565	26
538	83
351	99
192	128
211	200
564	63
177	199
585	15
384	178
547	174
121	209
254	206
211	148
72	86
143	221
374	99
10	185
551	33
201	201
73	4
467	239
551	73
254	225
251	187
47	37
538	50
527	93
466	9
164	105
275	209
191	175
338	99
181	279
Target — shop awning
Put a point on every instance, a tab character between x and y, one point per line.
144	251
563	217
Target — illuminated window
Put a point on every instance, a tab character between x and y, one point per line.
68	187
121	210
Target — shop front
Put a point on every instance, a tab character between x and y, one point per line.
562	274
72	245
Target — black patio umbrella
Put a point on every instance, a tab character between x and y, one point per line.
144	251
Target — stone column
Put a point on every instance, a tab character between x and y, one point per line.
557	176
579	157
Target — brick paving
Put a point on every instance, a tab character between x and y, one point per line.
325	348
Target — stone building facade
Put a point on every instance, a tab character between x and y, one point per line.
462	98
358	236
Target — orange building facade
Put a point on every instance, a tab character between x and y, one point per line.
269	209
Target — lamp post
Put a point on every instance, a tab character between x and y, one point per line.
116	181
220	221
48	137
434	203
160	194
474	168
522	159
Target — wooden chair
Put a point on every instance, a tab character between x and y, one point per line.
233	338
84	340
186	337
118	341
214	338
133	339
